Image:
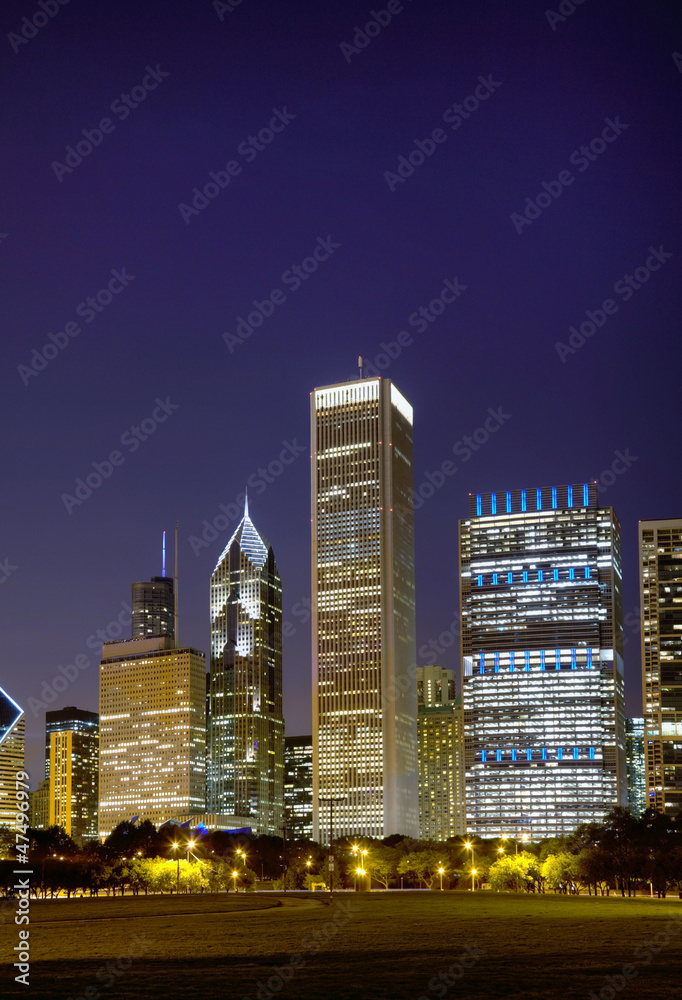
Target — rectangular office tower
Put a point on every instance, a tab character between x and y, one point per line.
72	771
636	766
12	745
298	786
152	710
542	659
660	549
153	607
440	749
364	692
246	724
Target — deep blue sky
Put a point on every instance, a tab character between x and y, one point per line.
322	176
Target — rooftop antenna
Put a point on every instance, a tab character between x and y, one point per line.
360	365
175	589
246	503
163	555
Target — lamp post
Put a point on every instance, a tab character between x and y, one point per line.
331	803
470	847
440	872
177	862
364	853
235	876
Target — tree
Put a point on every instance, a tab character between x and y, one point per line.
423	865
560	872
516	872
382	863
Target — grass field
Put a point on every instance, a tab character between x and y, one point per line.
387	946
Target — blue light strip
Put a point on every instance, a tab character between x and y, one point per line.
586	495
478	504
523	500
570	496
554	499
509	505
493	503
538	498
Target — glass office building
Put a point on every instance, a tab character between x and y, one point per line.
542	661
440	751
660	549
363	629
72	770
153	607
12	746
636	766
298	786
246	722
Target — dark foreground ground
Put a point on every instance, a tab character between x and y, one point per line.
359	947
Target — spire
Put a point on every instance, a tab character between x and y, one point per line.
246	502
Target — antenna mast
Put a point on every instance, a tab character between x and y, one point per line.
163	555
360	365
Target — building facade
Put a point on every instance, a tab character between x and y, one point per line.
636	765
153	608
660	551
40	806
152	732
72	769
363	628
542	662
246	725
440	751
298	786
12	747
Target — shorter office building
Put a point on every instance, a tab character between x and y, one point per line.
440	746
72	770
40	806
152	732
298	786
636	765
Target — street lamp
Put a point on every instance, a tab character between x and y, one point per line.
242	855
177	860
473	872
470	847
440	872
235	876
190	845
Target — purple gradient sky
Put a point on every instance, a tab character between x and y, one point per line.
323	176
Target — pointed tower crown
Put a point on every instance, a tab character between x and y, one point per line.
253	545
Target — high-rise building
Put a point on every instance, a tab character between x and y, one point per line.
542	644
364	692
40	806
440	751
298	786
12	745
660	551
153	608
152	731
636	768
246	739
72	769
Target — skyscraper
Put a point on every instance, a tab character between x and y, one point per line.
153	608
542	661
72	769
246	739
12	745
364	693
636	767
660	549
440	749
298	786
152	731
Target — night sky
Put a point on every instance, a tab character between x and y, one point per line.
307	127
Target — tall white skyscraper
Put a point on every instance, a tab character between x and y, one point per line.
364	690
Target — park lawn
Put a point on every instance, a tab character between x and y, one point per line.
387	946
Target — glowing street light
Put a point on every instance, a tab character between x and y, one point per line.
235	876
470	847
440	872
473	872
175	846
242	855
